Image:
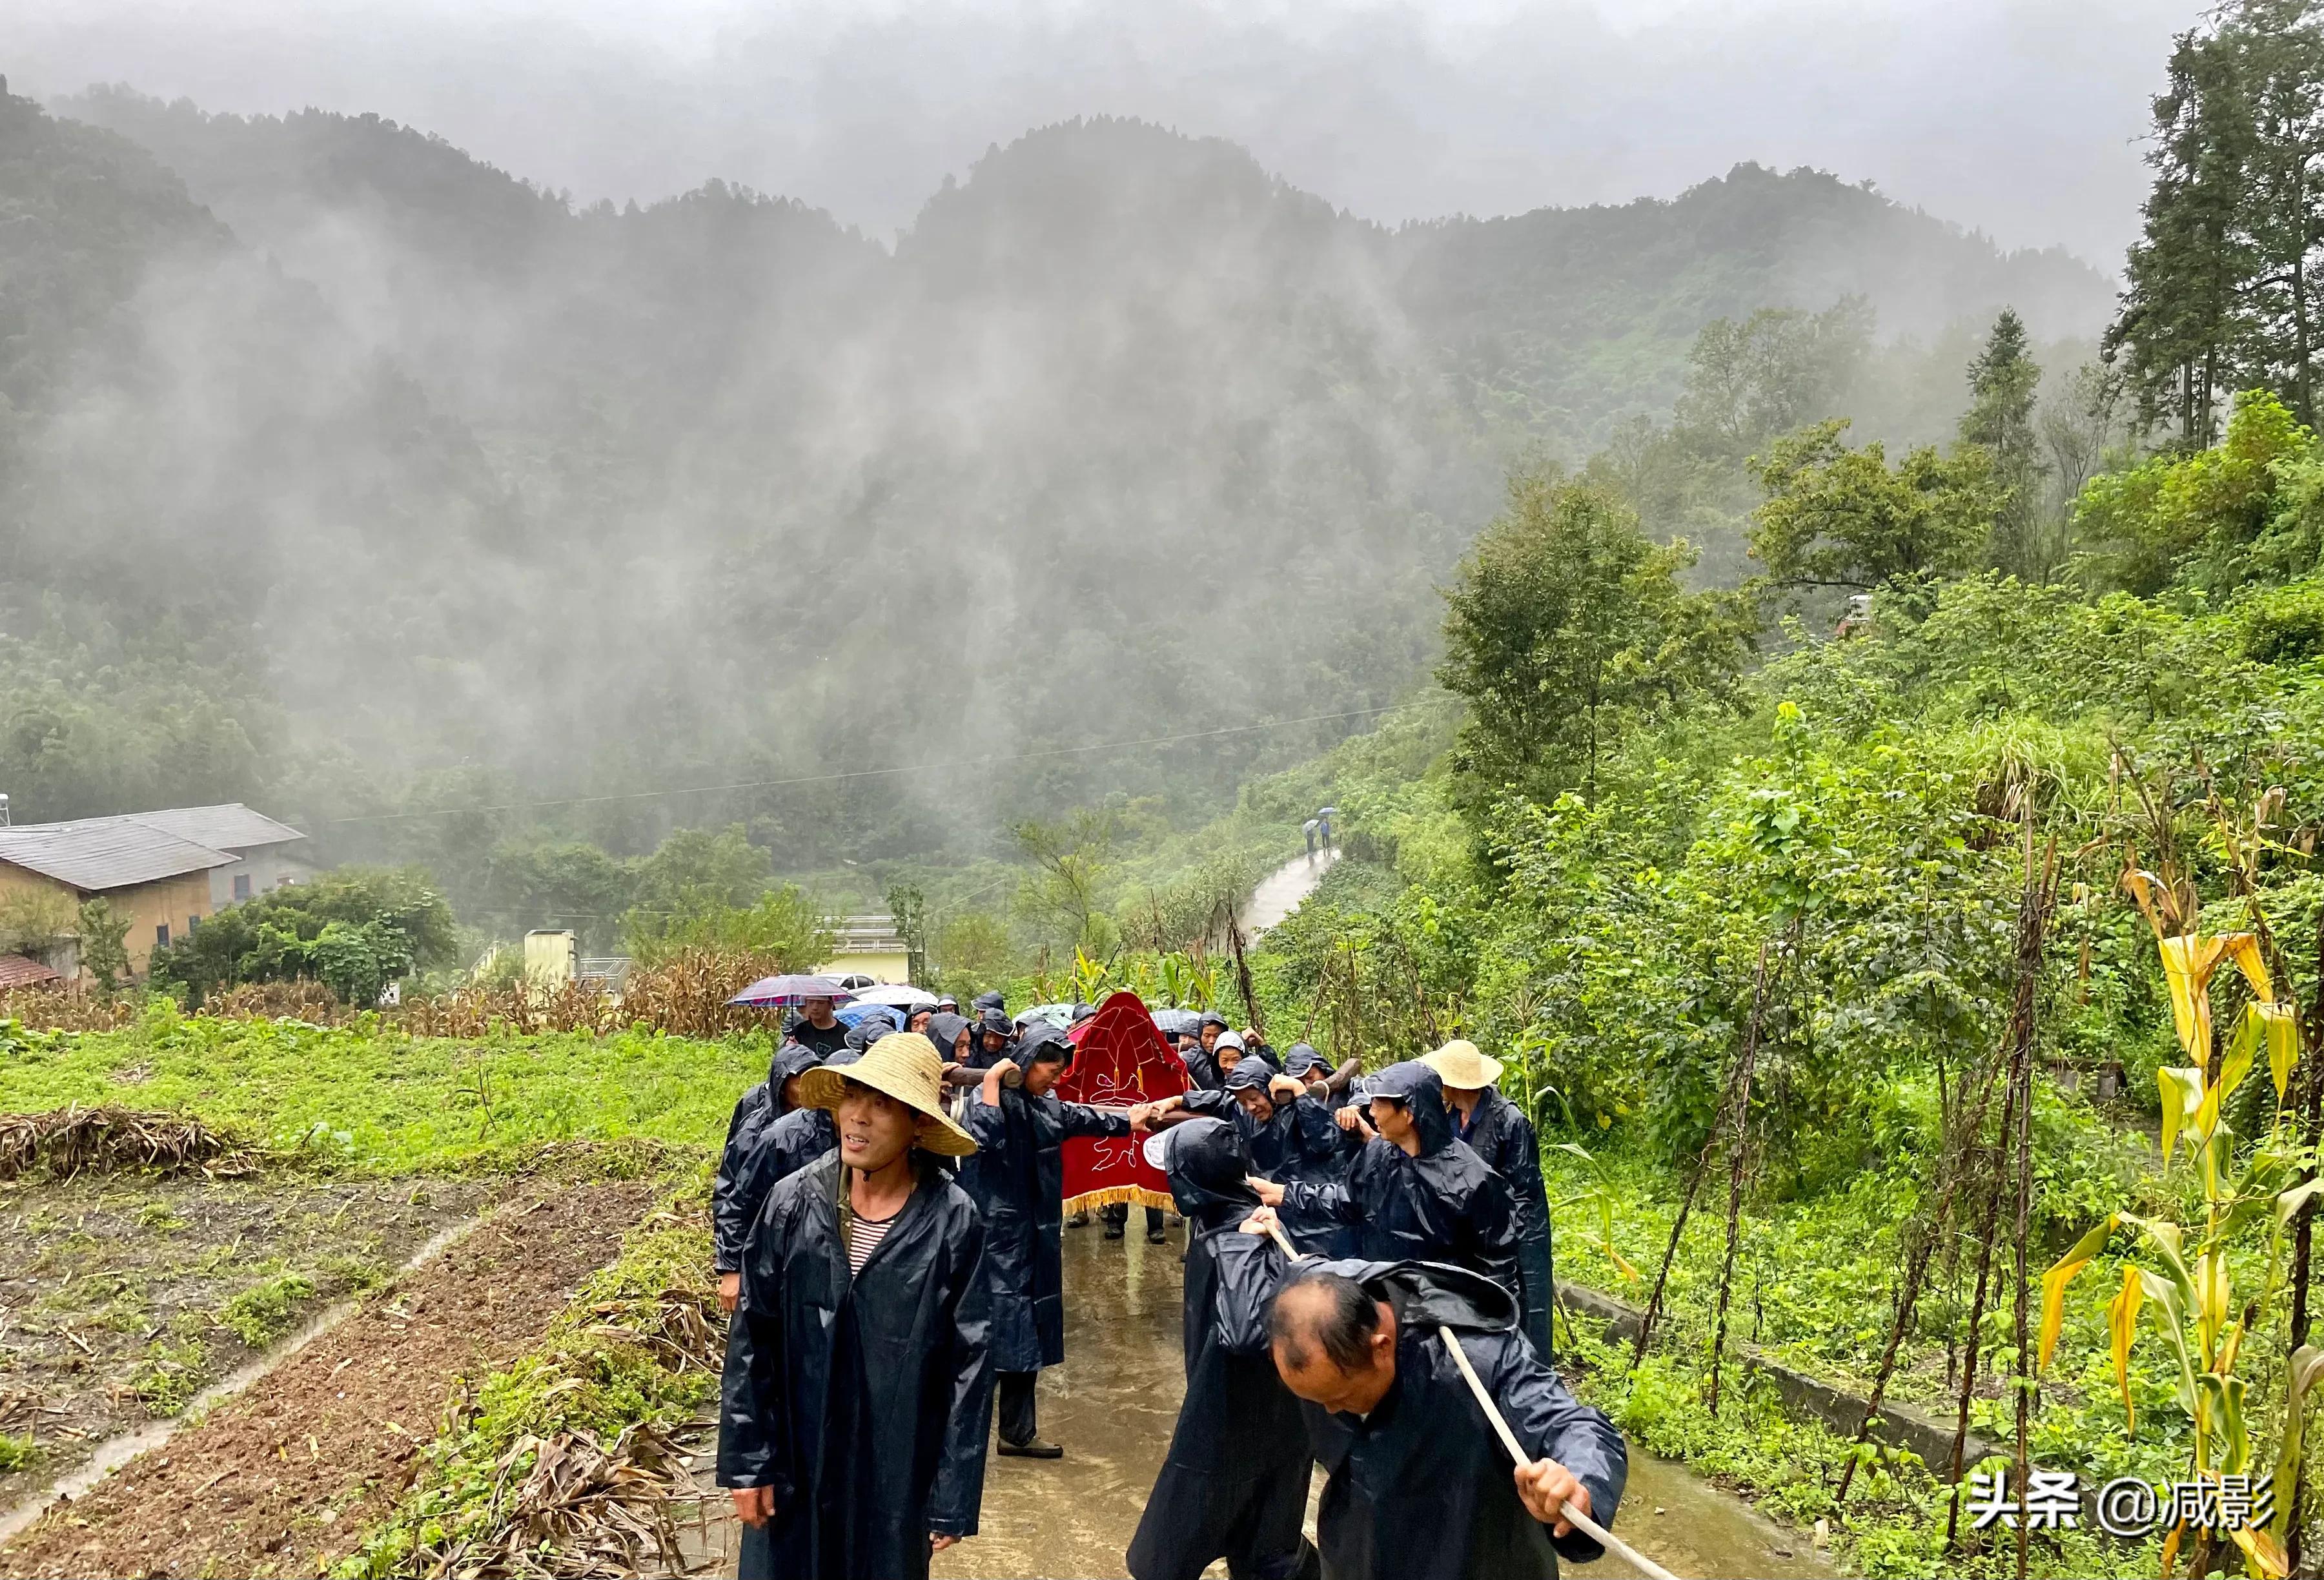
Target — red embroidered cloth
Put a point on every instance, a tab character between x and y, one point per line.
1122	1060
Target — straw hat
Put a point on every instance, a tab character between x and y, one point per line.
1458	1063
904	1066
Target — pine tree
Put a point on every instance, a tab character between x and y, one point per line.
2002	382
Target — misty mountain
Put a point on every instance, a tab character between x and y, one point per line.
447	490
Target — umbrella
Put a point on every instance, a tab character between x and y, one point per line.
902	995
1177	1022
856	1013
790	989
1057	1015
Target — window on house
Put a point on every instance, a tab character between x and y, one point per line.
162	935
241	885
191	923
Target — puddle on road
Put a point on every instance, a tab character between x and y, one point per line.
1113	1405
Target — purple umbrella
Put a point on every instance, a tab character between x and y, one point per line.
790	989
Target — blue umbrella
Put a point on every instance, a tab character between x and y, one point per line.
857	1014
790	989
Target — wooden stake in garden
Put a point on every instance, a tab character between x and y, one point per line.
1740	1117
2011	1173
1737	1081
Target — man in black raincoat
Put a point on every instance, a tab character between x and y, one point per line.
1497	1130
859	1366
1420	1486
994	1036
1290	1134
1017	1177
1414	1193
734	1198
1234	1484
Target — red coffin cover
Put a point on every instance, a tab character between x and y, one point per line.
1122	1059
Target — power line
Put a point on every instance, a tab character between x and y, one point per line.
852	773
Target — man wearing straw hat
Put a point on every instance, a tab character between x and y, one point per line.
859	1368
1497	1131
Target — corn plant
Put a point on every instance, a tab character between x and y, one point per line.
2183	1280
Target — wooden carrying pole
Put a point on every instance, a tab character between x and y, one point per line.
1581	1522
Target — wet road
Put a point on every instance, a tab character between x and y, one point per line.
1113	1402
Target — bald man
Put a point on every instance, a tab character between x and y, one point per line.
1420	1487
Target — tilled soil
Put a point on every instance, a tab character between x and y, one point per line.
282	1479
121	1296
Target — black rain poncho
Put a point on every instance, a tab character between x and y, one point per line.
1499	1132
1017	1179
1300	1142
944	1031
1420	1489
1442	1206
1234	1484
752	1162
862	1401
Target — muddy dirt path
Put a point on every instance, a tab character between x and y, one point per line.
1279	893
282	1479
1113	1403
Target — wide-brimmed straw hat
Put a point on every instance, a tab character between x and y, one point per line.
1459	1064
903	1065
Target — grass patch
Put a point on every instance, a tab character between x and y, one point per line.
174	1370
371	1099
264	1312
637	1347
1894	1522
17	1452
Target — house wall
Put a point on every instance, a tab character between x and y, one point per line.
16	882
881	964
172	901
267	867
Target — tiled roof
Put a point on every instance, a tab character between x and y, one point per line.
16	971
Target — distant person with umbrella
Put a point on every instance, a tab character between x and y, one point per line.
818	1026
1307	830
1324	826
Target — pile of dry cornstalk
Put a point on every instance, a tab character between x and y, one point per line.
583	1508
66	1142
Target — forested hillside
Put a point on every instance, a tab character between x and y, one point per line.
453	493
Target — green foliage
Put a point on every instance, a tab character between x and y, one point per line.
973	952
784	925
34	920
2002	382
355	930
2223	286
1837	517
17	1452
371	1100
1070	857
2246	508
264	1312
104	945
1566	626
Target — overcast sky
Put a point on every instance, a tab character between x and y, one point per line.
2019	117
